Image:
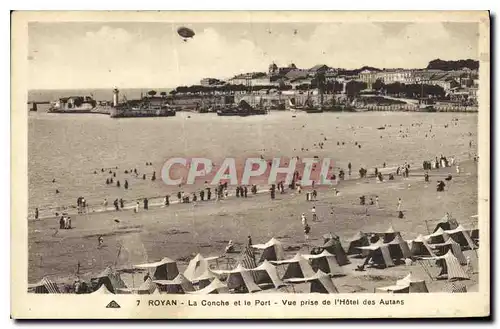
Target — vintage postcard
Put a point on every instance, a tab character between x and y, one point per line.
250	164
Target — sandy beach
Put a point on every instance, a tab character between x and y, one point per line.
180	231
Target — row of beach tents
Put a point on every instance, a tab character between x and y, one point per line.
444	246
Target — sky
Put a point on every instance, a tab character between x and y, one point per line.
80	55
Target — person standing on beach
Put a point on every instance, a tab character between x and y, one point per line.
121	203
202	195
36	213
400	202
376	201
314	216
136	208
146	204
166	201
349	168
126	184
245	191
303	220
115	203
105	204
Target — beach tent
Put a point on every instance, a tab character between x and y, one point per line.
197	266
165	269
450	267
408	284
388	235
446	223
271	250
110	278
320	282
326	262
450	245
455	287
462	237
146	288
240	279
439	236
474	235
419	247
215	287
360	239
102	291
398	248
267	274
333	246
298	267
205	278
44	286
379	254
179	285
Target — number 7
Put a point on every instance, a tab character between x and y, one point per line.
138	302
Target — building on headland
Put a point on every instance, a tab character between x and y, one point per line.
210	82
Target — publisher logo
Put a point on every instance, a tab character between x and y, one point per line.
113	304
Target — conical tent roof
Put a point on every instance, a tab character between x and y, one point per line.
197	266
298	267
408	284
359	235
164	261
420	247
390	230
180	282
272	274
408	279
325	262
462	235
268	244
102	291
216	286
335	247
242	277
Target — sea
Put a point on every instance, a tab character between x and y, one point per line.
76	153
50	95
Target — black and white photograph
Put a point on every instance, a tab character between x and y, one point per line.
296	160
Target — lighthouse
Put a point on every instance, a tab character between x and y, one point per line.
116	93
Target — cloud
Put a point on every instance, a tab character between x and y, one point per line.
128	57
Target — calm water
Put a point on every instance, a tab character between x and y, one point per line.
68	148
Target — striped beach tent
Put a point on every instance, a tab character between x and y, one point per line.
455	287
44	286
450	267
450	245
